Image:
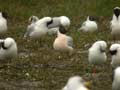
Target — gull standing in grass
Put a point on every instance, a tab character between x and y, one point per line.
89	25
3	22
115	53
63	42
97	54
116	79
76	83
59	21
115	24
8	48
38	28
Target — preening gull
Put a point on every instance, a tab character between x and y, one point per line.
115	24
38	28
89	25
97	53
8	48
59	21
115	53
30	28
76	83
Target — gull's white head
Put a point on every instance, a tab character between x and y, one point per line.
114	49
65	21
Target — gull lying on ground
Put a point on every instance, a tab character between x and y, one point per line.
89	25
63	42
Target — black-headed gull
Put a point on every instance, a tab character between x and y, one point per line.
8	48
59	21
115	23
3	22
89	25
115	53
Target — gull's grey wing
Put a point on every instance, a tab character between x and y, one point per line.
29	30
70	41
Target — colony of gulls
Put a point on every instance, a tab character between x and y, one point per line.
59	25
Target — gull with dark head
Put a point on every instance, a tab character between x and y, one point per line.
3	22
59	21
115	23
115	53
89	25
8	48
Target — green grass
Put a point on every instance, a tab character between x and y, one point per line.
49	69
